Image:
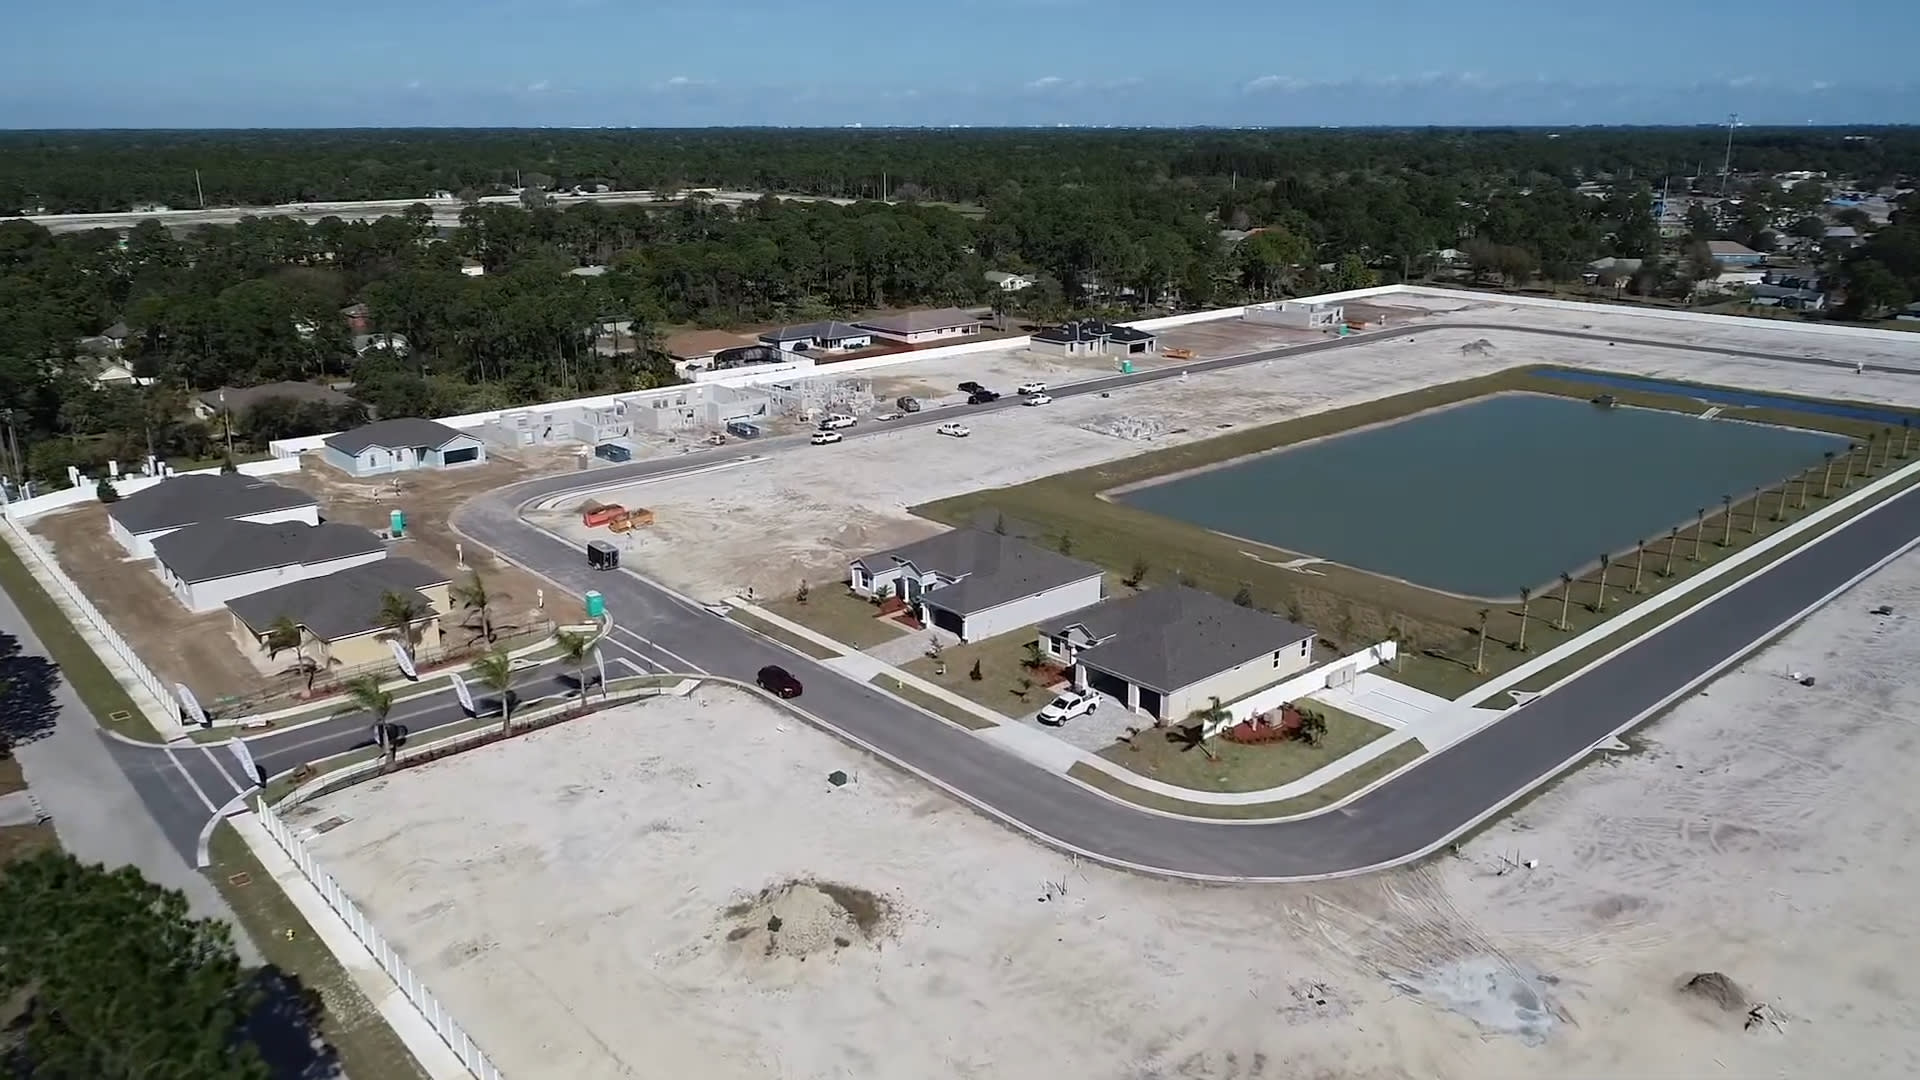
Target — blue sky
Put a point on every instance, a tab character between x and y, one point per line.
640	63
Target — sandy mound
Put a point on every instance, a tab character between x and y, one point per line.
803	918
1716	989
1480	347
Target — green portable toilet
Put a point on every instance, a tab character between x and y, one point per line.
596	604
1126	367
397	522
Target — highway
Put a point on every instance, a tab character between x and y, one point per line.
657	630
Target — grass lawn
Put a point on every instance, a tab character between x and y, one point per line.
79	664
1353	608
782	635
367	1046
1334	790
1000	672
11	779
21	841
937	706
840	615
1167	755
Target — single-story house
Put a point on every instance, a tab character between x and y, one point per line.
1167	652
398	445
396	344
179	501
1093	336
339	615
1842	236
695	349
923	327
208	564
976	584
359	318
1007	282
1787	296
595	270
825	336
1295	314
1613	264
238	399
1729	253
472	268
1910	313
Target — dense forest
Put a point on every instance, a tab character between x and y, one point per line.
1119	223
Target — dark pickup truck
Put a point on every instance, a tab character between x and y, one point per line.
982	397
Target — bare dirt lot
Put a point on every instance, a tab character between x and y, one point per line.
646	907
804	514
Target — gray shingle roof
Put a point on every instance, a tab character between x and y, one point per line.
338	605
394	434
1165	639
217	549
915	322
239	399
187	500
992	569
1086	330
814	331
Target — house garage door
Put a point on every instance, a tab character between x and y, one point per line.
948	621
461	456
1111	685
1150	703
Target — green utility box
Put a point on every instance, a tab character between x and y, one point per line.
596	604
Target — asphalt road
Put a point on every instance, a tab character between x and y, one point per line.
659	630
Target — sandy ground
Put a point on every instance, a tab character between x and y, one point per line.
804	514
611	919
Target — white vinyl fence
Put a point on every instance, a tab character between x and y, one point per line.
36	552
470	1055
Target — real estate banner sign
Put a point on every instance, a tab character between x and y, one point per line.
401	658
599	661
466	696
192	704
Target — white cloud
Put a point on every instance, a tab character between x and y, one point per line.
540	87
1047	82
415	84
679	80
1269	83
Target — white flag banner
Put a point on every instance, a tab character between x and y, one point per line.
466	696
192	704
245	757
599	661
400	657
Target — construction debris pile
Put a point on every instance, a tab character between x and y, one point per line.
809	399
1128	427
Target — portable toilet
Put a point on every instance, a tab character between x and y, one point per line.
596	604
397	522
1126	367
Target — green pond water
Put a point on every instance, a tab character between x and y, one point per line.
1493	494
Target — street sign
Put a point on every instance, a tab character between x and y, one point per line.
466	696
192	704
401	658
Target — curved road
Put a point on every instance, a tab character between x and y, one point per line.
1450	792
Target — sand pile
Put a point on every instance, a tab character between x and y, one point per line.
802	918
1716	989
1128	427
1480	347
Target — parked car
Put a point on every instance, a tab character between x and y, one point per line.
982	397
833	421
958	431
908	403
971	387
1031	388
778	681
1067	706
1037	399
822	438
740	429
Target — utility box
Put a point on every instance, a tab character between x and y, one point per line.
596	604
602	555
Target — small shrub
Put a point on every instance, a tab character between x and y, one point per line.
800	594
105	491
974	674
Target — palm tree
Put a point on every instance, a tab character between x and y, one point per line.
1639	558
1726	515
1566	600
398	612
495	672
1699	526
1846	472
473	596
1886	455
1480	657
1526	600
286	634
1827	479
1866	464
366	693
1753	520
1780	511
575	648
1600	603
1906	436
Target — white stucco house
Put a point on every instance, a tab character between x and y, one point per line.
976	584
1301	316
1168	652
179	501
401	445
818	337
1006	281
208	564
943	326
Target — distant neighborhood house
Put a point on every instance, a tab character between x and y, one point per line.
1729	253
923	327
236	400
818	336
1008	282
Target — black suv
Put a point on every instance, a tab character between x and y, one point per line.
971	387
778	681
982	397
